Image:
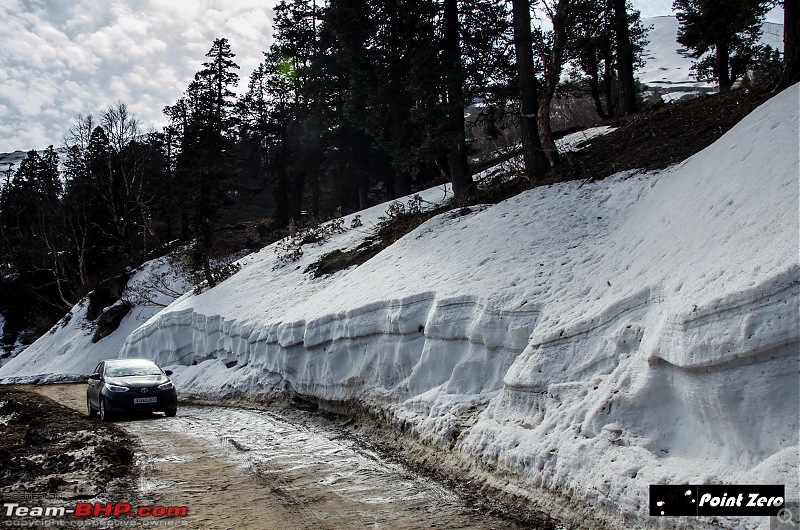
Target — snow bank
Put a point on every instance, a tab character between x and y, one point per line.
588	340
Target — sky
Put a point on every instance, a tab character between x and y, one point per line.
64	58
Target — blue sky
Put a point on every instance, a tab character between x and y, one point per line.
61	58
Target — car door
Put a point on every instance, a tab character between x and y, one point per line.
95	385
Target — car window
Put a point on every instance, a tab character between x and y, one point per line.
132	369
99	368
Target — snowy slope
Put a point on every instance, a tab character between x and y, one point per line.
67	352
582	339
11	161
668	65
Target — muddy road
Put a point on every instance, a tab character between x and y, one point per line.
235	468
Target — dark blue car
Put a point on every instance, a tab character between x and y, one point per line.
130	385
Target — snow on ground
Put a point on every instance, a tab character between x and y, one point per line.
67	352
583	340
668	65
574	141
588	339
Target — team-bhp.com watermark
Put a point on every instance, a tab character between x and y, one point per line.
89	514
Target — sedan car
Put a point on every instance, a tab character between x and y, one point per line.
130	385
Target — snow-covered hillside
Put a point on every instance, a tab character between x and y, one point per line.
67	352
584	339
11	161
9	164
581	340
668	65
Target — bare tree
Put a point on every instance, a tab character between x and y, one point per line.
552	47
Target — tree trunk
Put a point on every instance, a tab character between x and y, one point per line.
608	87
314	208
207	267
594	91
553	63
459	170
184	225
627	85
545	130
363	198
402	183
791	42
297	183
723	71
281	190
532	153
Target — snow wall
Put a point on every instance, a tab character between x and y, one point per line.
583	340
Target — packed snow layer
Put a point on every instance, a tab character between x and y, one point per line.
585	339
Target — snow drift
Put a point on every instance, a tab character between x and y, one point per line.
578	341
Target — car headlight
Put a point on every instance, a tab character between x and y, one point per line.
166	386
115	388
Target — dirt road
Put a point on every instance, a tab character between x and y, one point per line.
235	468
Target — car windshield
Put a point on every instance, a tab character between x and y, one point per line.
132	368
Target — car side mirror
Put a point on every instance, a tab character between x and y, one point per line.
168	372
95	377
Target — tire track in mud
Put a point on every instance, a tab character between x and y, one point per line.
236	468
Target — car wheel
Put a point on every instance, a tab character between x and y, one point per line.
89	410
104	414
171	413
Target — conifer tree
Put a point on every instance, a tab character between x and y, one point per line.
729	30
594	53
206	158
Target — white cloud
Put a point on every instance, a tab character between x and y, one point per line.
64	58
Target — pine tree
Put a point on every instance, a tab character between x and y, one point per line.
206	159
728	29
389	50
32	232
594	53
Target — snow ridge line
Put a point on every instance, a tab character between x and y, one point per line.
399	348
743	326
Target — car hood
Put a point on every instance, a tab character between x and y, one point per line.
137	381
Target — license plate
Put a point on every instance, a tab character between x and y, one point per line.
137	401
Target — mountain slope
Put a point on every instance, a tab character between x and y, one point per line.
668	65
584	340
